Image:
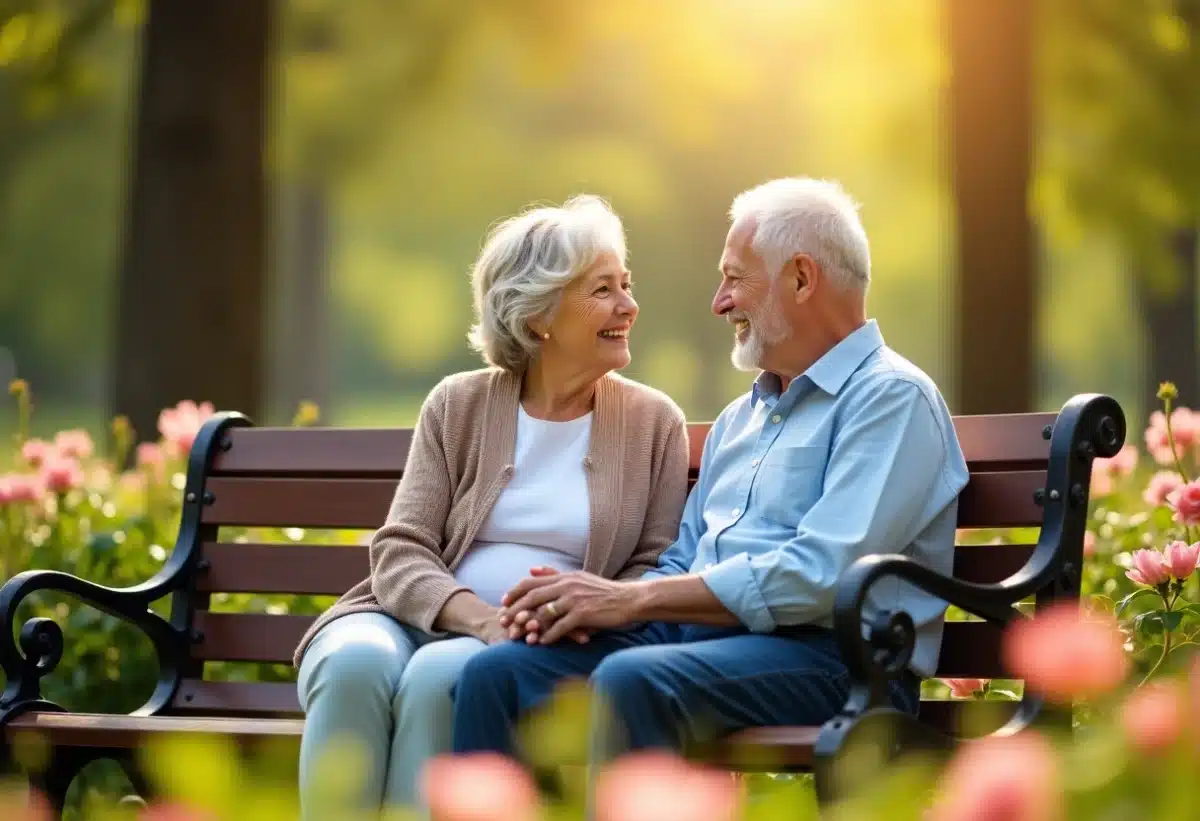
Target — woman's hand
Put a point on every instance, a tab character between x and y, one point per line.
491	631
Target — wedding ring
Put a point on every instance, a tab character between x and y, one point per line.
552	610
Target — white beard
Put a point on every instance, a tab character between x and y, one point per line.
767	327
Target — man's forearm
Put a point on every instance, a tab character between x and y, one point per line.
682	599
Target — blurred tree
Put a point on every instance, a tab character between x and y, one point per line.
991	137
1122	125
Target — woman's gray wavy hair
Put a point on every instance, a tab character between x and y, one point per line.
526	263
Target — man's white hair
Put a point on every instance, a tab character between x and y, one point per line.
526	262
800	215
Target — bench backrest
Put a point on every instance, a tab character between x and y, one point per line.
344	479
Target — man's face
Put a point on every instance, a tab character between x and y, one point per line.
747	298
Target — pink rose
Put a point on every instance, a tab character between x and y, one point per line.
1186	501
1001	778
657	786
1184	428
965	687
1180	559
1149	568
35	451
1065	653
478	787
1153	716
19	488
74	444
180	424
1162	485
60	474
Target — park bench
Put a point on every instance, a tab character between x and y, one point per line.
1027	470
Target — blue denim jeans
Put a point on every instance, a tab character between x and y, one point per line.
666	685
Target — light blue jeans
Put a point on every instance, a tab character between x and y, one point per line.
376	698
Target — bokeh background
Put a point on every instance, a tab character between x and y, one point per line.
258	203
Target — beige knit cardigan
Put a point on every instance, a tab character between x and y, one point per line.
460	459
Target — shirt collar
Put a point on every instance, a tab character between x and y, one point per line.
831	372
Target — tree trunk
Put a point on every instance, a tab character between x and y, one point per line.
300	303
991	134
193	272
1171	327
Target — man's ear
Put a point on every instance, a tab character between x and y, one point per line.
803	274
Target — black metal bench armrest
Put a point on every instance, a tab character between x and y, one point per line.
41	641
1087	426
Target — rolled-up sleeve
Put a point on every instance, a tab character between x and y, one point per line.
883	483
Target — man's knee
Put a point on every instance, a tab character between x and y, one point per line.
626	675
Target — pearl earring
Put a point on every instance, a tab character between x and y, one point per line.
546	335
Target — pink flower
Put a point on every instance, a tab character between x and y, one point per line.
20	488
151	457
74	444
1186	501
1065	653
1185	426
1089	544
1180	559
1153	715
60	474
1149	568
1162	485
965	687
180	424
1104	471
1001	778
478	787
35	451
656	786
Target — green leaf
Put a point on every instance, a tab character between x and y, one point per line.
1125	602
1171	620
1150	624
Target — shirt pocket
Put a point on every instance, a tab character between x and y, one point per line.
789	482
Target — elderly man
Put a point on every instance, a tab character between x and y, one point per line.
841	448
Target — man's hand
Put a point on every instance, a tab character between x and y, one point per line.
548	605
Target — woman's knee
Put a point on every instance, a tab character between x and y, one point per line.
360	659
434	669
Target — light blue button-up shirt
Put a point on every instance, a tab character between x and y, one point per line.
858	456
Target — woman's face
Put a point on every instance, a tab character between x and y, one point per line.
592	324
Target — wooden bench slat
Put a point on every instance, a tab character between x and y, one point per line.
1004	441
380	453
969	649
989	564
348	504
310	569
989	500
307	569
1001	500
256	637
363	453
125	732
237	698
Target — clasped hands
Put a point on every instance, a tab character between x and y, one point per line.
548	606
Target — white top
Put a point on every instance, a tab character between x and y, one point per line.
541	517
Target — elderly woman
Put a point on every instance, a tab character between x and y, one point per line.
545	461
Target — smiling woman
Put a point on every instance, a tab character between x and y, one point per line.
544	459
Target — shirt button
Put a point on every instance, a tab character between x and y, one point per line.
737	511
754	464
776	418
